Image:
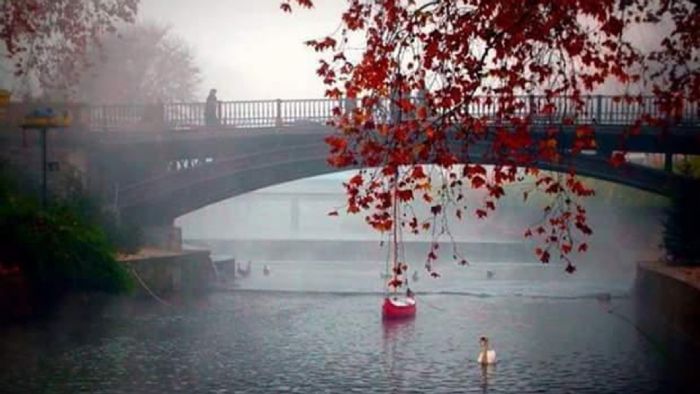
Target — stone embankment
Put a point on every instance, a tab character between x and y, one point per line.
163	272
668	302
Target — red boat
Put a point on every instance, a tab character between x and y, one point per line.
399	308
395	306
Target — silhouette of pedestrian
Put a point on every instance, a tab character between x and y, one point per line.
211	116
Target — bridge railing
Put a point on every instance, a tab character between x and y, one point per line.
316	110
280	113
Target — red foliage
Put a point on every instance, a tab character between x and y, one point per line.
439	82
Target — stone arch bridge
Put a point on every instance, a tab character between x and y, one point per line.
158	162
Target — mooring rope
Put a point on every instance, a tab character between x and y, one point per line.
432	306
649	338
150	292
216	270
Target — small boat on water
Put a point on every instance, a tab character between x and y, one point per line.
397	306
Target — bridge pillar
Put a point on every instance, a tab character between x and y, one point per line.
168	237
278	116
668	162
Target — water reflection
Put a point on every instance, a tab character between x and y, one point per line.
396	335
397	329
487	374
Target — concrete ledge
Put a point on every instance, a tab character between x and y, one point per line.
165	272
686	274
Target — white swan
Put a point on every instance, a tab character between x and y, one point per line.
486	355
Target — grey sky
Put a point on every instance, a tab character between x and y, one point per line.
250	49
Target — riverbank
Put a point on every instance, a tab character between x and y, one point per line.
156	272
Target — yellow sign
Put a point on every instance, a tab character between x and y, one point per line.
4	102
5	97
46	118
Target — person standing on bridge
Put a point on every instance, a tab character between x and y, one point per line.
211	109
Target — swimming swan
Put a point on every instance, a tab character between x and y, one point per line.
486	355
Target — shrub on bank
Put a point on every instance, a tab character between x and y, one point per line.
57	248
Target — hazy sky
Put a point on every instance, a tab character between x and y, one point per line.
250	49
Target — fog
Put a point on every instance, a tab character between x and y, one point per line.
250	49
290	223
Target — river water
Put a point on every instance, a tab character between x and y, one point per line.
308	328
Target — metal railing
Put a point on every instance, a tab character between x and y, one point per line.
282	113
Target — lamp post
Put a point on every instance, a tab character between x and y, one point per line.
43	119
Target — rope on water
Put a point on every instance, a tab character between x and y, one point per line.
216	270
433	306
658	346
150	292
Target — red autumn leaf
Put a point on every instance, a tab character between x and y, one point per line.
418	173
478	182
356	180
496	191
617	159
480	213
336	143
474	169
395	283
405	195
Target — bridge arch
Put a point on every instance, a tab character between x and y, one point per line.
160	200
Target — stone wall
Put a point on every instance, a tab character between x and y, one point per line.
187	272
668	304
